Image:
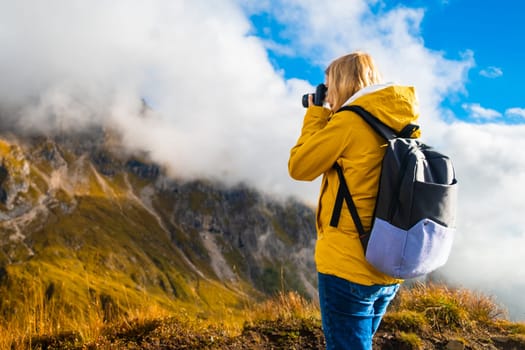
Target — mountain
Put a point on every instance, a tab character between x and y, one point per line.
86	225
101	248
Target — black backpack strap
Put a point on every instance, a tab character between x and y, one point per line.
343	193
378	126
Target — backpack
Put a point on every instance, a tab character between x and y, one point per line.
414	218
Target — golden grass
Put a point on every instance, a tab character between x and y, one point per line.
4	147
412	340
38	308
36	314
284	305
453	308
417	312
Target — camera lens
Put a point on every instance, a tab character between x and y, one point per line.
305	101
318	97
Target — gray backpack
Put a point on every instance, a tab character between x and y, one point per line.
414	219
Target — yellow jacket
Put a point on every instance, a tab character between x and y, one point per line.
346	138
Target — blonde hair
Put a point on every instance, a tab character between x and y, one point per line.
348	74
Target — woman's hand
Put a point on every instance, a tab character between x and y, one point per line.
310	100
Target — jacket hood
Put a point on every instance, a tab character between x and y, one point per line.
395	105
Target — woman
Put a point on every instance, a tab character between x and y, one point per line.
353	295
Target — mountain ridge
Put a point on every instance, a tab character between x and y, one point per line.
100	247
95	226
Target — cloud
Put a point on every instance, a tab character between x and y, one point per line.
221	110
491	230
209	80
476	111
491	72
321	31
515	112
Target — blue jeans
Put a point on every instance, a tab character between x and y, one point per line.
351	312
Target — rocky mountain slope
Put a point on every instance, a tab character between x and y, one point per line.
99	248
85	222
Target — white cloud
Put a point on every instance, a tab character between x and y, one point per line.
491	233
476	111
221	110
517	112
322	31
491	72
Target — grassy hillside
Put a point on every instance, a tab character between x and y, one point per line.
89	238
105	251
421	317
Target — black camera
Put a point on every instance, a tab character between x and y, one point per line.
318	96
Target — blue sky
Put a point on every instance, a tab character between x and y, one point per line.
493	35
225	79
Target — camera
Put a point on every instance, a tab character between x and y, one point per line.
318	96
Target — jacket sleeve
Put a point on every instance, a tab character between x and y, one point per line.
322	141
